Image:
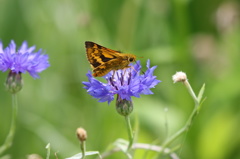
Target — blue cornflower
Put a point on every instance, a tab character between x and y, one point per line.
125	83
22	60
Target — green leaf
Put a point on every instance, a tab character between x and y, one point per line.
200	94
200	105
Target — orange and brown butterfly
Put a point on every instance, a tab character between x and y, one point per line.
104	60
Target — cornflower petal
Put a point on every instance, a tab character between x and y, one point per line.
24	48
20	63
6	60
98	89
12	47
1	47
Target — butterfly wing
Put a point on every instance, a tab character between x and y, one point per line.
98	55
103	60
114	64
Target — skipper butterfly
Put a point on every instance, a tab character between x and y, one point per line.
104	60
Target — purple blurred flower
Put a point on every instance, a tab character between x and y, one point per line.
22	60
126	83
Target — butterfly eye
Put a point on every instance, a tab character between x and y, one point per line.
131	59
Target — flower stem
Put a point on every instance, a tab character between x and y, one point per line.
144	146
130	133
189	121
191	92
48	150
9	139
83	148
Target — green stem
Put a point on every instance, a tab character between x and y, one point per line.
48	150
189	121
191	92
9	139
83	148
130	133
182	130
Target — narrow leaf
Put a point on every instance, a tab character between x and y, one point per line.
200	94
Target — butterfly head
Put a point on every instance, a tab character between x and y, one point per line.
131	58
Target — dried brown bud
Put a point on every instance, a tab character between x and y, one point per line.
81	134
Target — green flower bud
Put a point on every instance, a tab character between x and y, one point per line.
14	82
123	106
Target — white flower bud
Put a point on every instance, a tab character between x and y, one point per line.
179	77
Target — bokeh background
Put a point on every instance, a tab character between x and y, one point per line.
199	37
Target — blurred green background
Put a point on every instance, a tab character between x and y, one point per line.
199	37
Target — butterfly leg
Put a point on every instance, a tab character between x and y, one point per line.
125	70
113	74
132	68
